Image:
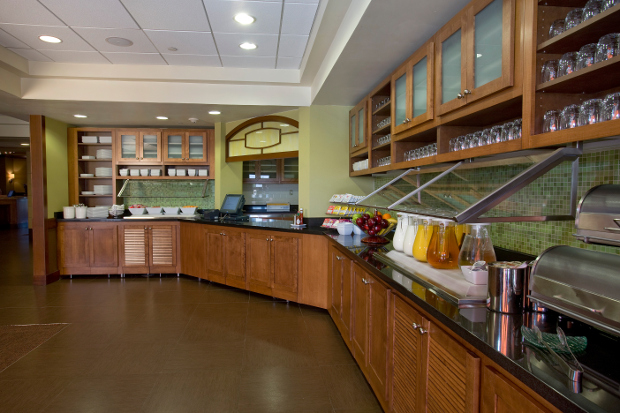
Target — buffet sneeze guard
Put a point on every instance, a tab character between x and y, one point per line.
521	186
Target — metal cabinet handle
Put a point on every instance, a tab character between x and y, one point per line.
422	331
460	96
150	227
266	239
407	120
467	92
365	281
86	229
415	326
223	234
145	228
339	258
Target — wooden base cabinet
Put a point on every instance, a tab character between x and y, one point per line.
225	255
340	292
149	248
87	248
192	250
499	395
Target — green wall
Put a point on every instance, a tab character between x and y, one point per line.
228	176
57	165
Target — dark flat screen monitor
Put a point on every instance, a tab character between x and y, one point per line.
233	204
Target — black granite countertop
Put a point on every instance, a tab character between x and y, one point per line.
498	336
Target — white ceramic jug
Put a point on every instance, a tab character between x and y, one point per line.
399	232
412	230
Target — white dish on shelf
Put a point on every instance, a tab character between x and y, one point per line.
137	211
134	172
87	175
155	172
88	157
144	172
123	172
171	210
188	211
191	172
105	139
88	192
153	210
172	172
89	139
180	172
203	172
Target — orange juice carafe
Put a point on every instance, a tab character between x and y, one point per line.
459	230
422	238
443	250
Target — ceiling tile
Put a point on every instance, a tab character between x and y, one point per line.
169	15
96	37
31	54
27	12
292	45
30	36
190	43
267	15
288	62
192	60
228	44
259	62
135	58
70	56
7	40
100	13
302	1
298	18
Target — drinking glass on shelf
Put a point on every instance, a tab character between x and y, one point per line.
433	149
590	112
453	144
568	63
458	143
549	71
573	18
485	139
516	128
496	134
611	106
591	9
478	138
507	133
569	118
607	4
608	47
586	56
556	28
465	141
551	120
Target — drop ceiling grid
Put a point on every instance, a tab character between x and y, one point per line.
203	32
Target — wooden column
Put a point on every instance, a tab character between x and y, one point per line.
44	265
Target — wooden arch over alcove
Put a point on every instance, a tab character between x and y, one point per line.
265	137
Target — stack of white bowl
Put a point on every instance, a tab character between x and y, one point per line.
103	171
97	212
104	153
102	189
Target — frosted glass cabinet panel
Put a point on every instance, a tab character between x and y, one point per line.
138	146
451	67
196	146
488	44
151	147
400	100
185	147
174	147
129	146
353	131
420	89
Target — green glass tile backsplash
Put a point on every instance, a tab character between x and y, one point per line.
170	193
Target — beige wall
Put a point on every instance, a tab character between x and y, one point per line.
57	166
324	158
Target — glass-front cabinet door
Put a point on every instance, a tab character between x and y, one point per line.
452	64
173	146
151	146
268	170
353	130
196	147
290	170
127	147
250	171
357	126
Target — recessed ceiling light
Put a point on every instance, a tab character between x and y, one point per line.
50	39
247	46
119	41
214	112
173	49
79	116
244	18
162	117
24	144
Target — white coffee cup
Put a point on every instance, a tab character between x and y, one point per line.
68	212
80	212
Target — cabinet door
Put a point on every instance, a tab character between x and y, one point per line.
337	261
401	96
173	147
268	170
409	347
163	248
453	375
359	316
378	302
196	147
451	74
127	147
150	142
192	250
250	171
490	49
285	263
103	248
214	255
234	257
289	170
74	248
134	249
258	256
352	130
357	120
500	396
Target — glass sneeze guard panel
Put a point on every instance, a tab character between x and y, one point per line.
128	147
150	148
451	67
419	88
488	44
523	188
400	100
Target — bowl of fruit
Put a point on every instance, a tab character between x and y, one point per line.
375	226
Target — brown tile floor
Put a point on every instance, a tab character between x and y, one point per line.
170	345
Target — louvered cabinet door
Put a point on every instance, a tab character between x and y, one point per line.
134	249
163	248
408	348
453	375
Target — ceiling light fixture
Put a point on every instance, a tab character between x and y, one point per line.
24	144
50	39
119	41
173	49
162	118
248	46
79	116
214	112
244	18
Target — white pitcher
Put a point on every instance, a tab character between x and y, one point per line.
412	230
399	232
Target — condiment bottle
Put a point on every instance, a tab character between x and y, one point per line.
422	238
410	233
443	250
477	246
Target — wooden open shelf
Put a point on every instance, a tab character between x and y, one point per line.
95	160
596	78
198	178
596	131
383	129
94	177
493	149
587	32
384	110
96	196
384	145
94	144
414	164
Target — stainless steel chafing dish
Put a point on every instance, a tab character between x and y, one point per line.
598	216
579	283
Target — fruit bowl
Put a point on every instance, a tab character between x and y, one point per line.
376	227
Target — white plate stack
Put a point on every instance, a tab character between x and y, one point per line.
102	189
89	139
105	139
97	212
101	171
104	153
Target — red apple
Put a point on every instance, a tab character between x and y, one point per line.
371	232
385	223
366	217
366	227
378	213
359	222
377	228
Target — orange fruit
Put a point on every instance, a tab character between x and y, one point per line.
387	216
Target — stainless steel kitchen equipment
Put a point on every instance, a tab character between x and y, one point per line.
507	287
579	283
598	216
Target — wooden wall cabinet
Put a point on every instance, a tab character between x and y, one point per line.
225	255
276	171
185	147
87	248
149	248
358	132
134	146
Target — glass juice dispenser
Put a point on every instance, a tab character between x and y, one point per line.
443	249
